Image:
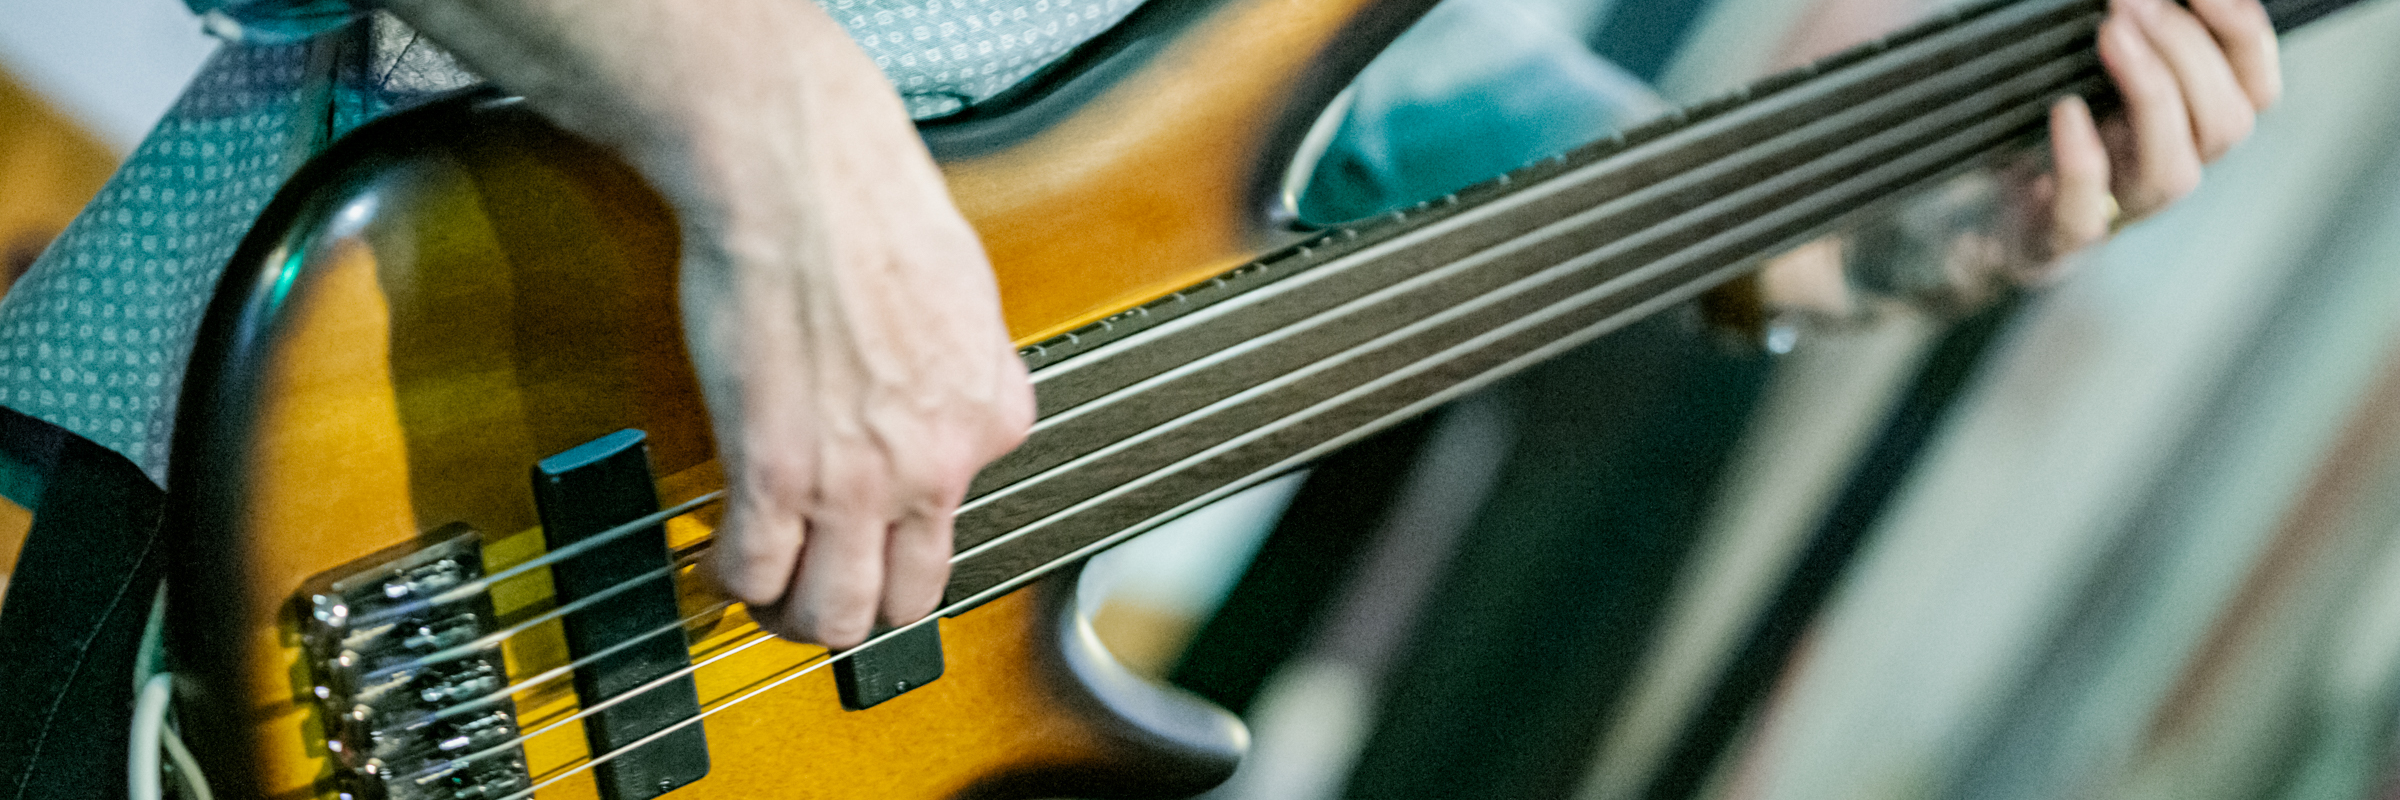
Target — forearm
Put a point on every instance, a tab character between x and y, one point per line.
705	99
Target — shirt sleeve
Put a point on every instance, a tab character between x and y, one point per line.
274	21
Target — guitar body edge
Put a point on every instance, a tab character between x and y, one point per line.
453	294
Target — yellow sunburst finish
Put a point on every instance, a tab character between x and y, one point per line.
445	307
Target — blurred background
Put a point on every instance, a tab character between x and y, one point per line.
2130	537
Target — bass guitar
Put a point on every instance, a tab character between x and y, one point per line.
443	467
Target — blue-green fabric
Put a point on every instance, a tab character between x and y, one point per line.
945	55
274	21
95	337
1475	89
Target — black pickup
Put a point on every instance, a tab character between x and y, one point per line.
582	492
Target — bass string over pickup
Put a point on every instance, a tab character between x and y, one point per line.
583	494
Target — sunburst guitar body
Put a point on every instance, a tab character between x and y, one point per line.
451	297
441	465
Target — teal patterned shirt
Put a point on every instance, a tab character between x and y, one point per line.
95	337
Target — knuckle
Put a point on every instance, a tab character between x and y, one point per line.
852	493
1010	423
931	492
2085	234
776	478
752	557
2179	22
2157	92
925	503
2254	18
750	590
915	605
922	474
748	580
922	538
2183	182
1012	408
2219	136
777	619
843	624
1016	420
2160	183
2267	88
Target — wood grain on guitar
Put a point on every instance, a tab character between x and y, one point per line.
455	293
467	291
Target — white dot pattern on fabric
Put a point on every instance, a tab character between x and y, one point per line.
945	55
95	336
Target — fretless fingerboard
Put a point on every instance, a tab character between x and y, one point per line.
1167	407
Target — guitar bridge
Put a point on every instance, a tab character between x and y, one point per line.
412	708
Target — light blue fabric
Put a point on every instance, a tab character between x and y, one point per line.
274	21
1475	89
942	55
95	337
945	55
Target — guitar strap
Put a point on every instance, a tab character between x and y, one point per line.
72	628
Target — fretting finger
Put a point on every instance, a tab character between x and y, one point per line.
756	551
2081	208
2220	108
2164	164
2247	35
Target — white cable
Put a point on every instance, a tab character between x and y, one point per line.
149	732
149	719
195	785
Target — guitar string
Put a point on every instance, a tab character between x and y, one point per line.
596	759
755	638
565	553
1101	374
487	641
1600	217
554	673
1583	300
803	667
484	584
1321	244
659	683
807	668
1638	203
613	533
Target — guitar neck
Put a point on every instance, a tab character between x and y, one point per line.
1189	398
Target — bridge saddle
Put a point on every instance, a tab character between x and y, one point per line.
410	711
